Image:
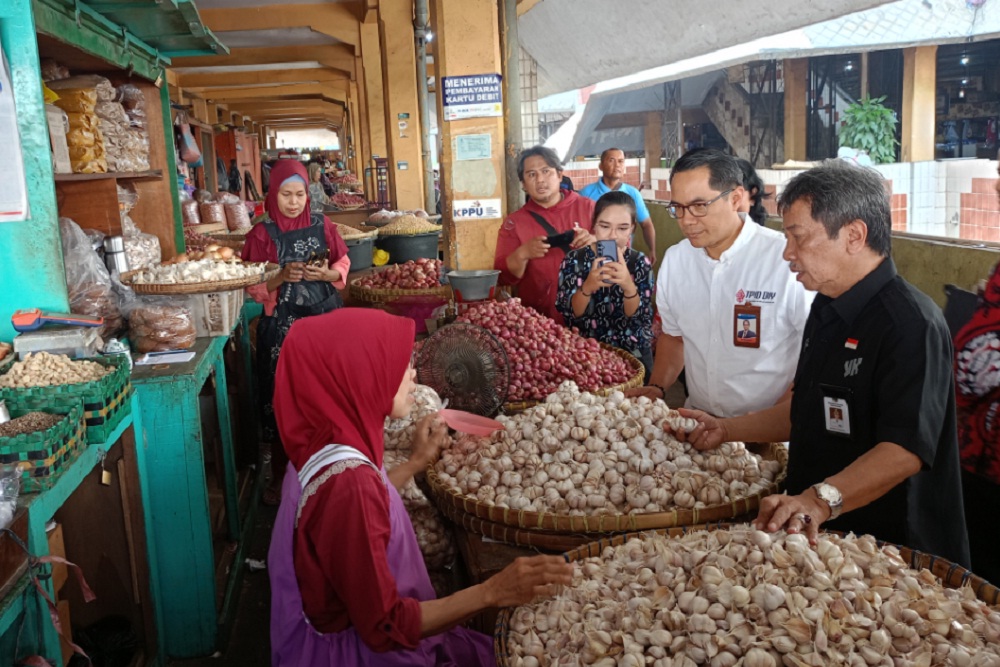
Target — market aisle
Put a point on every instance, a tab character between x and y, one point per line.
249	644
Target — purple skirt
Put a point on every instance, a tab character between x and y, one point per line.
295	643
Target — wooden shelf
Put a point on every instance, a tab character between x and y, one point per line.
121	176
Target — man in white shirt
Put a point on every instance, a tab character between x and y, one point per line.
726	272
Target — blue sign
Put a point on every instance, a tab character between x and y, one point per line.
472	96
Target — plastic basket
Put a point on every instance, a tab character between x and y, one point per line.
215	313
105	401
40	457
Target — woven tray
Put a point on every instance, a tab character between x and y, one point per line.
41	456
236	242
270	271
950	574
105	401
609	523
374	295
633	382
533	539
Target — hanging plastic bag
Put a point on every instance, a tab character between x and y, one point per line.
190	152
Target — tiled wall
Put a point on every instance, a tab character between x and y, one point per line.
585	173
950	198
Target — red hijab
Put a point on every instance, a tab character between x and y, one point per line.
337	375
280	173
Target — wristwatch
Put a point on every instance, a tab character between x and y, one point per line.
830	495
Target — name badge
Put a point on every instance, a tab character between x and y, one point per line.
838	415
746	325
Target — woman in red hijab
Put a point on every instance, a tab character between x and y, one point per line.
314	265
348	583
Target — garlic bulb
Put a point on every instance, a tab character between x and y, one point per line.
202	270
672	601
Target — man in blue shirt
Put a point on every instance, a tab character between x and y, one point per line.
613	170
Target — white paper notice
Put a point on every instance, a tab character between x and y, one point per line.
14	193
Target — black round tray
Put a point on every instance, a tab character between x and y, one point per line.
403	248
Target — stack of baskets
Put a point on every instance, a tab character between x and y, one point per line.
92	411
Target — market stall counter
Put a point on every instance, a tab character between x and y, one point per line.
200	544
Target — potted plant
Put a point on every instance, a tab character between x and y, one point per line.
870	126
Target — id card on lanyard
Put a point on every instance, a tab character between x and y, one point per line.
747	327
837	410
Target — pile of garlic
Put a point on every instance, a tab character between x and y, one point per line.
437	544
200	271
743	597
582	454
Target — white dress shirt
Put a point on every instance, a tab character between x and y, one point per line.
696	296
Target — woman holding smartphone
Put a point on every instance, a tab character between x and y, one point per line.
606	289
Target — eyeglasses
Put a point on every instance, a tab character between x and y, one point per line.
697	209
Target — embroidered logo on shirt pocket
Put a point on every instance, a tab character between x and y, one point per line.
852	366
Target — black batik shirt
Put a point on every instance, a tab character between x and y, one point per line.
883	348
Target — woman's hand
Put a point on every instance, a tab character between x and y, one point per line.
429	438
321	273
535	248
596	278
293	272
617	274
526	579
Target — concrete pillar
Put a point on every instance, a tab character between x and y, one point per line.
200	109
363	142
371	58
399	61
653	144
796	108
919	84
462	51
354	143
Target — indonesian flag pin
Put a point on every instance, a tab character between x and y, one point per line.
851	343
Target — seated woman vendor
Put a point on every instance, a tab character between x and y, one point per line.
314	265
348	582
610	300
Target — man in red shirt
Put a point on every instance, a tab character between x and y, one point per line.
523	256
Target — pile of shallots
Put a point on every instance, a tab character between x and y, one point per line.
421	273
582	454
433	535
543	354
743	597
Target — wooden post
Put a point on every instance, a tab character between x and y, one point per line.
919	88
796	108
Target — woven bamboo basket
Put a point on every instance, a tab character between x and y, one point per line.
950	575
377	296
270	270
609	523
633	382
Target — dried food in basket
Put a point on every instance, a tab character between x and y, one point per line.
346	201
406	225
212	251
31	422
41	369
579	454
742	597
543	353
416	274
347	232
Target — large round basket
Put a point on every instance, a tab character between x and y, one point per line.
950	574
638	373
377	296
533	539
270	270
611	523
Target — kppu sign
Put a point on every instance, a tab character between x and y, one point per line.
475	209
471	96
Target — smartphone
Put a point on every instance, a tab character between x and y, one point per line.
608	250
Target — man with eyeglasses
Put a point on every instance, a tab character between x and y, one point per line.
612	174
724	273
534	239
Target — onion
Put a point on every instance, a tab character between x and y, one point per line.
423	273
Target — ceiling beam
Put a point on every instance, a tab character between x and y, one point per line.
336	56
277	92
336	20
193	80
